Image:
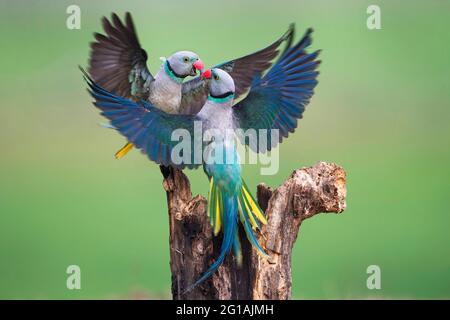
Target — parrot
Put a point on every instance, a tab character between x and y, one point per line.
118	63
276	100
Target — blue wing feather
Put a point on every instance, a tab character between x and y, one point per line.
278	100
147	127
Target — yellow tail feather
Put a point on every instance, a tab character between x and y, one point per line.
218	212
211	184
255	208
250	215
124	150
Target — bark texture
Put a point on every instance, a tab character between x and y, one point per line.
307	192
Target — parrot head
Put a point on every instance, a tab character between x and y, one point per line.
185	63
221	84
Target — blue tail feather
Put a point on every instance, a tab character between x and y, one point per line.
229	237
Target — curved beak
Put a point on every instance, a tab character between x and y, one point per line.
198	65
206	74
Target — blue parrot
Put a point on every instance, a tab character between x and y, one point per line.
275	101
119	64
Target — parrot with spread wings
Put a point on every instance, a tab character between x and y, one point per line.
276	101
118	64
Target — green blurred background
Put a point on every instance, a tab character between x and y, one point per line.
381	110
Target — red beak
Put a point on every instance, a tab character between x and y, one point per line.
199	65
206	74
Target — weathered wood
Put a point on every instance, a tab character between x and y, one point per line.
307	192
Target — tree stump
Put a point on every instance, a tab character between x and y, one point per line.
307	192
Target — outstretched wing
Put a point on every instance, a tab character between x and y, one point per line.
149	128
117	61
277	100
243	71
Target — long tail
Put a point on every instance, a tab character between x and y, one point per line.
223	210
229	217
251	217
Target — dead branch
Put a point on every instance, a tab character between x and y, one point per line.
307	192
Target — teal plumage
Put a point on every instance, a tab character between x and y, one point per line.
227	189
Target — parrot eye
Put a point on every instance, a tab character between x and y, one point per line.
216	77
186	59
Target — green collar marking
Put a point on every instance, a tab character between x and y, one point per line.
220	99
172	74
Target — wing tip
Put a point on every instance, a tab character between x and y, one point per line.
290	31
307	36
86	75
129	21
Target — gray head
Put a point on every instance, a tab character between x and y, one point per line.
184	63
221	84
